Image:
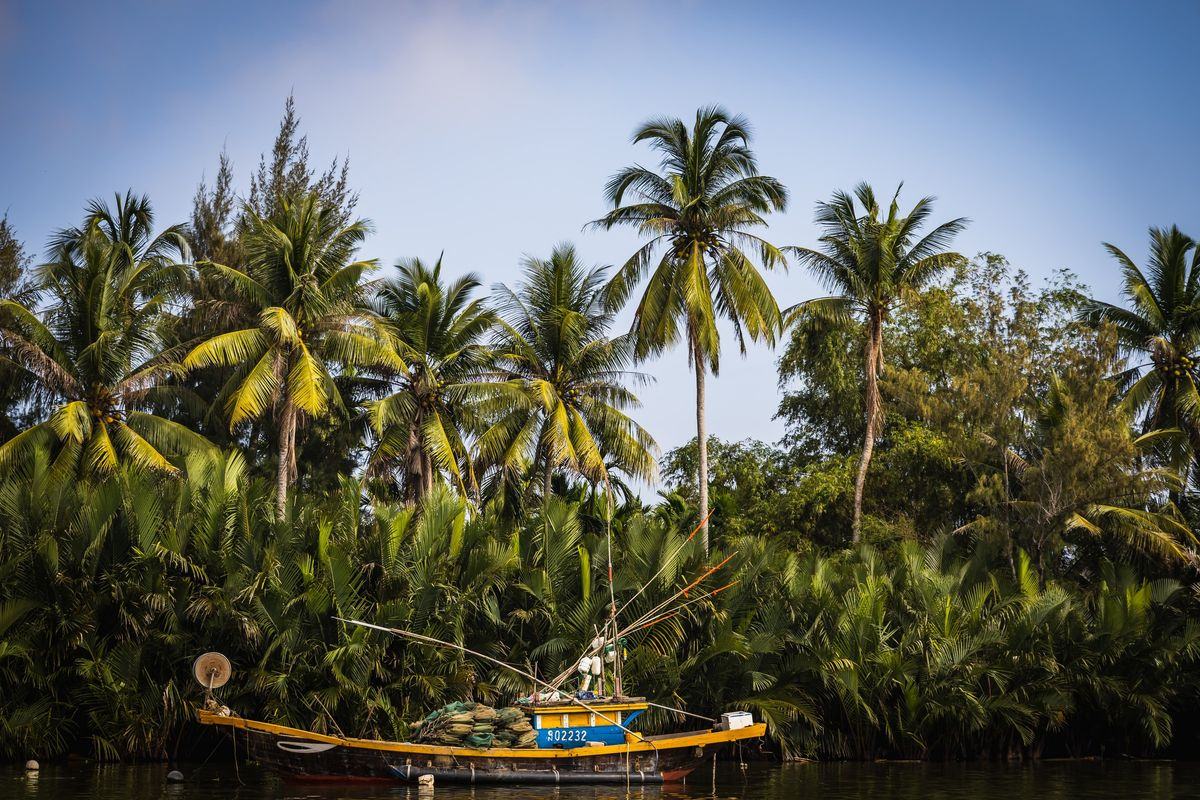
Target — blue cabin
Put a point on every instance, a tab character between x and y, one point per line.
567	725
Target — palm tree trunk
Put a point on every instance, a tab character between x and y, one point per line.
1010	540
701	443
427	472
873	347
287	444
547	485
414	480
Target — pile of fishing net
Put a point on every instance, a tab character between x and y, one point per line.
475	725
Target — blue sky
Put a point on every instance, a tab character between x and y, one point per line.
488	130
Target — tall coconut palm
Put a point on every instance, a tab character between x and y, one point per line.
874	262
698	211
307	294
440	332
564	391
1162	326
97	349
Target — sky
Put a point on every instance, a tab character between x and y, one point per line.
487	130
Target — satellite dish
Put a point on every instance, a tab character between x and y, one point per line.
212	670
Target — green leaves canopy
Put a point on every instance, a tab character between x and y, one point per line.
698	213
563	395
1161	328
308	298
301	285
440	333
98	352
872	261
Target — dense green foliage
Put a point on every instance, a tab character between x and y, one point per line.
230	451
921	651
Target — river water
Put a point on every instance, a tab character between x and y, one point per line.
1044	781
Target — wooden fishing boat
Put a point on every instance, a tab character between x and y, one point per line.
580	738
569	750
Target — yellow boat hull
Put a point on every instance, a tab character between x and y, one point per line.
301	754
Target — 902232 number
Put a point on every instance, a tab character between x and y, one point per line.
566	735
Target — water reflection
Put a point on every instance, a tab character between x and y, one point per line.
1045	781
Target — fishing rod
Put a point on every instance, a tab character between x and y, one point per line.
636	627
666	562
683	592
640	624
680	711
645	621
537	681
657	609
611	632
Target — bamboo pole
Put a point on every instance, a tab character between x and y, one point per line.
666	562
590	651
417	637
638	623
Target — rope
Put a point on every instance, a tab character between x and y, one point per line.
681	711
237	772
341	733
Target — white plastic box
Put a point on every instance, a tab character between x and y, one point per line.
736	720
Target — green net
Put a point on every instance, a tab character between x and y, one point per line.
476	725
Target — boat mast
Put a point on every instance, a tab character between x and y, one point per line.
611	628
661	611
536	681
